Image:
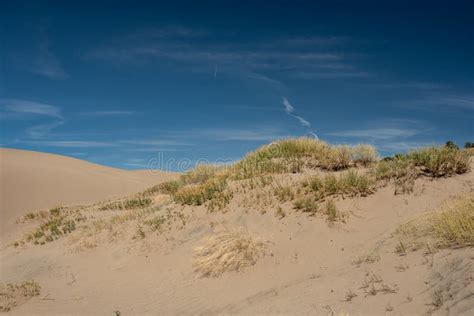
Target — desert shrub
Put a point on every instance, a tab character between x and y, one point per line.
469	145
14	294
198	194
306	205
451	145
452	226
227	251
441	161
364	155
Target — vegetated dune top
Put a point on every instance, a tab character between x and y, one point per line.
30	181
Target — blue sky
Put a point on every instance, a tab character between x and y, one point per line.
119	83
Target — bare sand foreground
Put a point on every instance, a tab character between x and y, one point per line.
162	257
31	181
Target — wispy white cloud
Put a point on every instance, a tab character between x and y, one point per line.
71	143
297	57
155	142
106	113
404	146
377	133
288	107
262	133
46	63
39	131
302	121
16	108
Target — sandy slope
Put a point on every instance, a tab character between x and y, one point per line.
30	181
308	269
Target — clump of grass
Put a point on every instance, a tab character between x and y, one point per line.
168	187
280	213
56	211
55	226
128	204
284	193
364	155
349	183
332	213
450	227
220	201
156	223
441	161
227	251
306	205
371	257
14	294
335	158
399	169
198	194
201	173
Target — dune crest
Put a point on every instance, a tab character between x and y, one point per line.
31	181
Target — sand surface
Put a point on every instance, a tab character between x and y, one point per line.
310	267
31	181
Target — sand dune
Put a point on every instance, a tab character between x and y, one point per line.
31	181
249	250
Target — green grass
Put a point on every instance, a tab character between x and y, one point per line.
306	204
128	204
284	193
349	183
52	229
440	161
198	194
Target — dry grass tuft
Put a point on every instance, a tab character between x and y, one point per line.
349	183
441	161
227	251
452	226
198	194
364	155
14	294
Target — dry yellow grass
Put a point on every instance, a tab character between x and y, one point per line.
13	294
452	226
229	250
